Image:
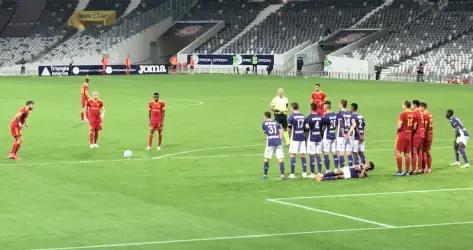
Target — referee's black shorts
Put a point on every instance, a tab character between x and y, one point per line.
281	119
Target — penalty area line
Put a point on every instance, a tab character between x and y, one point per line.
372	194
332	213
255	236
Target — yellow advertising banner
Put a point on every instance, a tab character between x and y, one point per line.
102	17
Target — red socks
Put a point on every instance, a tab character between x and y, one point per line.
15	148
399	164
150	140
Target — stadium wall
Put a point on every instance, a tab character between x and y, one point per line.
189	49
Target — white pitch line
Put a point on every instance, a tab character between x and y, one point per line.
372	194
254	236
332	213
171	156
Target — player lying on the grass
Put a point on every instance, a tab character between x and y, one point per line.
16	126
96	112
157	111
273	132
405	126
314	140
461	139
296	128
360	171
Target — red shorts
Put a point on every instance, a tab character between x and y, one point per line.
95	125
155	126
418	143
15	130
427	144
403	144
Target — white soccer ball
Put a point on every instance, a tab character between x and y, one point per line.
128	154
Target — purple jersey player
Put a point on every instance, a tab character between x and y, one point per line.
344	139
273	132
358	129
461	139
296	125
329	123
314	142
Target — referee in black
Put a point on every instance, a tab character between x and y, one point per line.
279	106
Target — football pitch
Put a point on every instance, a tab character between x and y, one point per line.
202	190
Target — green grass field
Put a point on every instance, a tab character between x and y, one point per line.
202	190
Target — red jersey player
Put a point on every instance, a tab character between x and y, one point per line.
319	97
96	112
84	97
128	64
157	111
405	128
18	123
418	137
429	136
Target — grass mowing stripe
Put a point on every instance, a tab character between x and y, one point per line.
253	236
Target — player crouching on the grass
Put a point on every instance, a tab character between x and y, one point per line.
17	124
273	132
360	171
314	141
461	139
157	111
296	128
96	112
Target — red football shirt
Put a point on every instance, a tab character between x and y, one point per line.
407	120
429	125
157	109
94	107
420	127
318	97
21	115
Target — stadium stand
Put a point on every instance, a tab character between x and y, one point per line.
429	31
118	5
48	31
96	39
7	9
394	15
236	14
455	57
298	22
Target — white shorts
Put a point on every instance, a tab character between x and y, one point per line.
297	147
463	139
344	145
358	146
329	146
270	150
314	148
346	172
